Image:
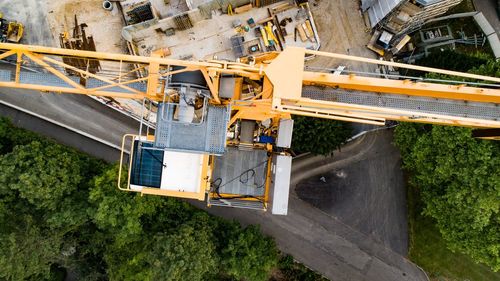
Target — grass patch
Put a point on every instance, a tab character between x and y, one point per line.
428	250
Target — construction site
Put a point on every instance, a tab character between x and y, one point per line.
213	89
188	30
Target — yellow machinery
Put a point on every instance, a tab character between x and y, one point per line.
223	129
10	31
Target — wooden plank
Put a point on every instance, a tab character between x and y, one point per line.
243	9
302	33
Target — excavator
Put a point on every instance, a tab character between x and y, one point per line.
222	129
10	31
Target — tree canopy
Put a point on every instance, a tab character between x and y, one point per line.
318	136
458	177
459	181
61	208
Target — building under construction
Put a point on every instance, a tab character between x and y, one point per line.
207	29
403	16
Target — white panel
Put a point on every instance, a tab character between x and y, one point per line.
181	171
484	24
285	131
495	44
281	184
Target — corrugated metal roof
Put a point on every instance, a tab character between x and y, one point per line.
428	2
365	4
380	9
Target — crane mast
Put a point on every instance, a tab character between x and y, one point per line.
223	129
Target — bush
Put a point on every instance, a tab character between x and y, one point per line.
318	136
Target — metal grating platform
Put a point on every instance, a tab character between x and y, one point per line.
477	110
241	172
47	79
95	83
44	79
236	203
209	136
5	75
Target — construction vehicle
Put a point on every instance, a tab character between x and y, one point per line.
10	31
223	129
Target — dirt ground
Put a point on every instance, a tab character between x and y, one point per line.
341	30
104	26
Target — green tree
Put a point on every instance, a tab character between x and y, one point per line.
28	251
120	213
450	60
11	136
43	197
186	254
249	255
459	181
319	136
60	208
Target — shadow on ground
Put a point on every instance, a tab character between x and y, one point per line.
369	195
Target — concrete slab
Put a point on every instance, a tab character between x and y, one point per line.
209	38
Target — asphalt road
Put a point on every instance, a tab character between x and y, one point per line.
321	241
368	195
60	134
80	112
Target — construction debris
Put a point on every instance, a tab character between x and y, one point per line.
79	41
231	29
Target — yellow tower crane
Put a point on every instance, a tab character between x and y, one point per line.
223	129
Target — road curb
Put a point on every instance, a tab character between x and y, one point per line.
57	123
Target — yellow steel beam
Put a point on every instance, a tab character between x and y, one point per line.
403	65
330	114
154	75
88	74
121	83
318	108
214	89
102	56
121	75
68	90
219	66
7	54
38	59
341	112
19	60
402	87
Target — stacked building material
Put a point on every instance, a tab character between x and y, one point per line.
183	22
79	41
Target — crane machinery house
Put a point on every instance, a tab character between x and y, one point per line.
198	153
224	128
